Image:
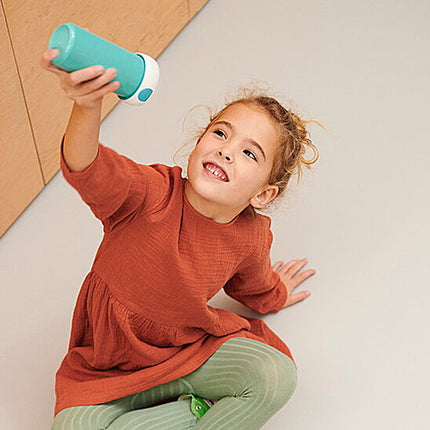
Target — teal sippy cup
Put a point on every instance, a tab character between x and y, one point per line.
137	73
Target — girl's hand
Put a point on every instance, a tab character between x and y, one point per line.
287	274
86	87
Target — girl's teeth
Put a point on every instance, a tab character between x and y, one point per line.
215	172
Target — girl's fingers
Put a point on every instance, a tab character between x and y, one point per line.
95	83
285	268
291	263
297	280
83	75
293	267
304	275
95	95
277	265
46	61
298	297
297	266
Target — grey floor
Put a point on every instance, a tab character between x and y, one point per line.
361	215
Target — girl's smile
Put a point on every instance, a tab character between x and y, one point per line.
214	170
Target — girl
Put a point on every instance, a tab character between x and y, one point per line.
146	351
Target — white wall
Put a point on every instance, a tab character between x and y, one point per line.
361	216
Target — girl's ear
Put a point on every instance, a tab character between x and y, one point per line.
264	197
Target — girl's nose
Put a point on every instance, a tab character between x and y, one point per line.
227	157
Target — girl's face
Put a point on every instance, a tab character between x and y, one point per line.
229	167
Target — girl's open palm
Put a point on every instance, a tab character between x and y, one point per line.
287	273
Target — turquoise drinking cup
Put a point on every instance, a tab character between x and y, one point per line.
138	73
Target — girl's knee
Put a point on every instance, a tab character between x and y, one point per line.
287	380
270	375
276	380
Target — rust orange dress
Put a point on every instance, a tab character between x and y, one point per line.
141	318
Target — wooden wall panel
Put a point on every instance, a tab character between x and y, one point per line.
20	174
137	25
37	110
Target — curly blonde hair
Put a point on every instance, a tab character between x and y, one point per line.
292	132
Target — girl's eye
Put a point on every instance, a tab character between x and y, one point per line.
253	156
219	131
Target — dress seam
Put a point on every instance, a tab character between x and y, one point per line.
133	313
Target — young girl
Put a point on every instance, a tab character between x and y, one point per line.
146	351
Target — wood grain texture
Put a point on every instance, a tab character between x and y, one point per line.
36	102
20	174
146	26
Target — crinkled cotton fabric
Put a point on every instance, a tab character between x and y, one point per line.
141	318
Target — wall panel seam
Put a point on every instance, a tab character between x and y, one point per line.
22	90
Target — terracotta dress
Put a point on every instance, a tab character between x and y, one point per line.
141	318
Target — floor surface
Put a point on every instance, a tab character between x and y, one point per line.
361	215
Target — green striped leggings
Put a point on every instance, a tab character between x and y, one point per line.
250	380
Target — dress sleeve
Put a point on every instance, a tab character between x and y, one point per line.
116	188
257	285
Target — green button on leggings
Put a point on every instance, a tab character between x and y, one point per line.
250	380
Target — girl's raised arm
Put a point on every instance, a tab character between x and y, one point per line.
116	188
86	87
81	139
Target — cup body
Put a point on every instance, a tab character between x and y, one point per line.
80	49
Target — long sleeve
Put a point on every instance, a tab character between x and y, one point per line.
116	188
256	284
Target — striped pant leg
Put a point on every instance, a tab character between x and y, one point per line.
113	414
91	417
251	381
175	415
